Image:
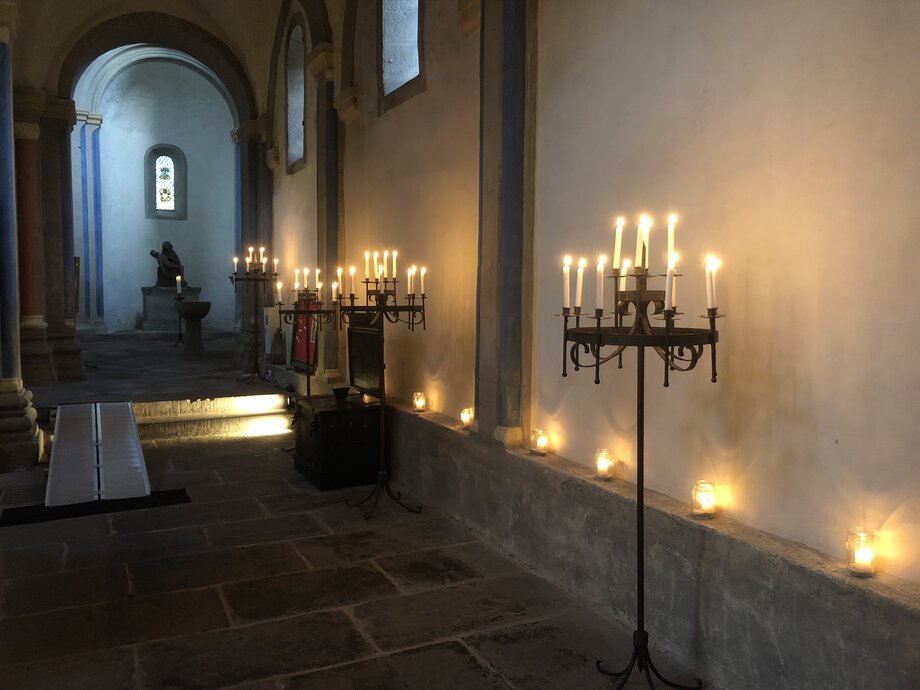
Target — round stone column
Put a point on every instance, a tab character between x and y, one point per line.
20	438
35	352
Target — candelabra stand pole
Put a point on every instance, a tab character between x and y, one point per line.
179	339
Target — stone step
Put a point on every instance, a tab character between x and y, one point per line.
242	415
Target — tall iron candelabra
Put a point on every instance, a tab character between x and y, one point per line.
250	279
381	306
680	349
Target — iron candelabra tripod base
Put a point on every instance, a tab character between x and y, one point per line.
641	659
380	488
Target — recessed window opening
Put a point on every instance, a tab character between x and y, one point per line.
400	50
295	95
165	183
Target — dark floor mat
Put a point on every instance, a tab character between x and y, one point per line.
29	514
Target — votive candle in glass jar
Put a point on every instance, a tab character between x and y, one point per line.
539	442
861	552
703	500
603	464
418	401
466	417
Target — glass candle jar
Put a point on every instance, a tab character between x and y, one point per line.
539	442
703	500
603	464
466	417
861	552
418	401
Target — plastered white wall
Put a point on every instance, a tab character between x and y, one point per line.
784	133
412	183
162	103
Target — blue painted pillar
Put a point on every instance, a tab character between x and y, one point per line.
10	366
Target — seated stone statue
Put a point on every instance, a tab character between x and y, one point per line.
168	266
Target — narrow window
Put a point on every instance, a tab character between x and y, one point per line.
165	183
295	98
400	59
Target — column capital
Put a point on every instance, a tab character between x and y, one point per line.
28	104
321	61
60	109
9	20
89	118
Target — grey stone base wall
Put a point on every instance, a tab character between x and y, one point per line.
741	607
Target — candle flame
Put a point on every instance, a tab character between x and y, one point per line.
672	260
351	270
713	262
567	261
602	259
645	220
279	284
296	272
367	255
672	219
621	221
424	270
582	262
626	264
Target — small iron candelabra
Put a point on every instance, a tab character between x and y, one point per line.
381	306
680	349
251	279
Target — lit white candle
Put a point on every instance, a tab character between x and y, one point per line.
712	266
251	250
618	241
319	291
566	282
262	254
351	275
338	275
316	280
672	221
639	233
278	285
411	279
421	274
275	261
367	266
669	287
624	269
236	263
395	274
248	261
335	287
379	271
579	280
296	277
376	265
296	285
306	278
264	261
386	263
672	262
645	245
601	263
178	285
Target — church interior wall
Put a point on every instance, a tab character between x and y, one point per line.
154	103
780	133
411	184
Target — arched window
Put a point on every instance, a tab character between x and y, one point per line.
295	98
166	183
402	54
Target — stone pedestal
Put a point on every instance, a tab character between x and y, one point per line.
160	307
192	313
20	437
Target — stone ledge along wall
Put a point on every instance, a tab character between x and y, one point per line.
742	608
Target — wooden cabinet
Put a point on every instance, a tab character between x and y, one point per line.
337	444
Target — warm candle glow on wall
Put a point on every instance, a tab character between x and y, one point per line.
539	442
703	500
418	401
603	464
466	417
861	552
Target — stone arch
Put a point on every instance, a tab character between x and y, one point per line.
167	31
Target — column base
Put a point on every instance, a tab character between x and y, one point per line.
21	441
508	435
247	349
66	356
37	365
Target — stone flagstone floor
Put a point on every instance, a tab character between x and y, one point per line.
263	582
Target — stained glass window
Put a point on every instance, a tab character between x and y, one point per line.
165	175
